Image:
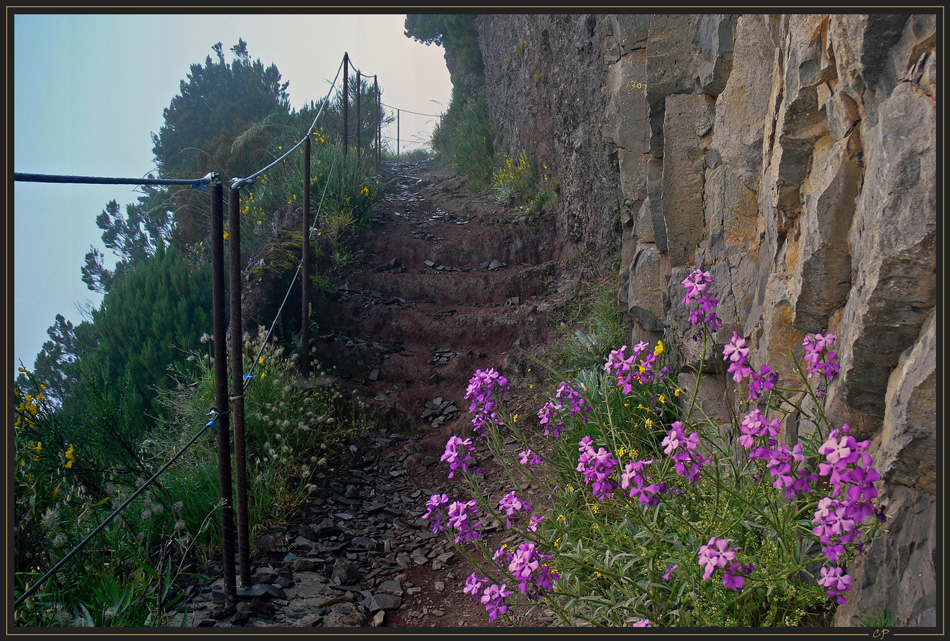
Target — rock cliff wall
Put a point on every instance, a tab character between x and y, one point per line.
794	158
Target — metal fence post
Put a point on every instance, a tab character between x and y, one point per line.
359	119
305	315
237	387
346	101
221	391
376	128
397	134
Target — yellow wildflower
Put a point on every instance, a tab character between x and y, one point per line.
662	399
659	348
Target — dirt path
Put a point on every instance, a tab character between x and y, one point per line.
446	282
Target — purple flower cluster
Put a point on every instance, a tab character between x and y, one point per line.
597	468
510	504
481	389
633	479
784	464
436	511
529	567
546	414
704	312
626	369
818	355
718	554
530	457
835	583
839	517
682	449
642	623
570	399
762	382
736	353
493	598
457	454
461	516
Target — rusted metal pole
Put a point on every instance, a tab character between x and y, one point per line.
359	120
305	285
221	391
346	101
397	134
237	387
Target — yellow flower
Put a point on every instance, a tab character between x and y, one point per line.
621	452
677	392
225	235
38	447
260	360
662	399
516	418
70	456
659	348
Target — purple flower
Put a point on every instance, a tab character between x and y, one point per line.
457	454
633	479
493	599
510	504
642	623
715	554
835	583
737	353
762	382
473	584
733	576
669	571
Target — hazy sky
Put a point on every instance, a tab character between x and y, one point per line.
88	91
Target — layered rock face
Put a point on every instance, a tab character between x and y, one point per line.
794	158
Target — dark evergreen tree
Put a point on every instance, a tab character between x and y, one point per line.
152	316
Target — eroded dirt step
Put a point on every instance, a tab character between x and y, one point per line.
457	288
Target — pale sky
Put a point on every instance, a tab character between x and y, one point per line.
88	91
